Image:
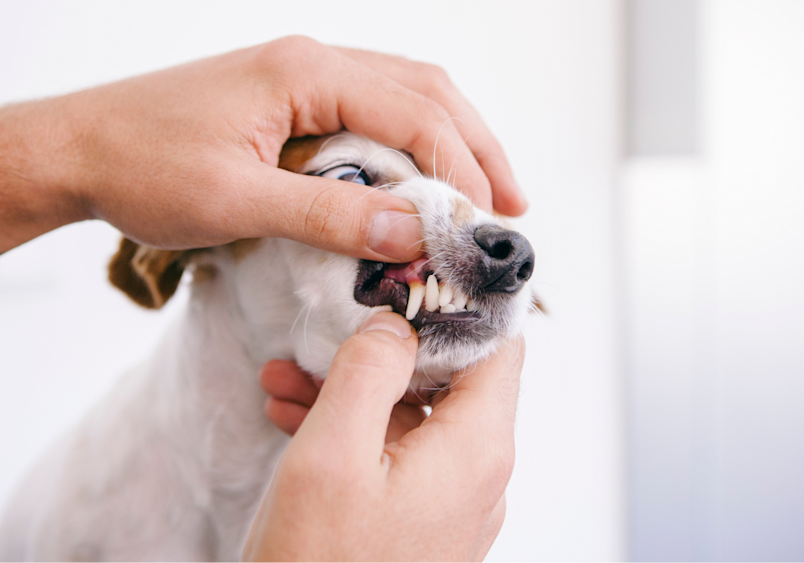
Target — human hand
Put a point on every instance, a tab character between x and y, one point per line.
433	82
437	492
293	392
186	157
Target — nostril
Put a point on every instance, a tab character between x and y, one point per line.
498	243
501	250
507	261
525	271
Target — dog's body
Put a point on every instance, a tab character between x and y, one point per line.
174	462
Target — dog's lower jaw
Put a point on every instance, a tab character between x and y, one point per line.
173	464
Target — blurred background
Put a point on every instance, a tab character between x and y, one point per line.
661	145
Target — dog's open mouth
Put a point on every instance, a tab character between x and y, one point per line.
412	291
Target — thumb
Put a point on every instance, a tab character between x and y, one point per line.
369	374
333	215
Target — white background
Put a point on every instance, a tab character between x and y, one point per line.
540	73
715	278
662	411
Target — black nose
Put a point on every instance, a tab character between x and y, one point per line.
508	260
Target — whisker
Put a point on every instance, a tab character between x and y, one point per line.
293	326
307	318
435	145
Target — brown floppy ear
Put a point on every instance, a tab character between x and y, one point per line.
148	275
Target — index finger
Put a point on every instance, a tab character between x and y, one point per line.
433	82
401	118
346	93
473	427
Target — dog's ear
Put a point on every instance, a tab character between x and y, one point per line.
147	275
536	305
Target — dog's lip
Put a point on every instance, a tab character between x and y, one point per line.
374	289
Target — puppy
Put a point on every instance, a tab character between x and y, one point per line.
173	463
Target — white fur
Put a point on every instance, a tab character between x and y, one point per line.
172	464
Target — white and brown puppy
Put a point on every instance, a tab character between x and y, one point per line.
172	464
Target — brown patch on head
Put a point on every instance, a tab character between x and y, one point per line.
147	275
463	212
297	152
243	247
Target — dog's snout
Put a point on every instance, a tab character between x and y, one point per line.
507	260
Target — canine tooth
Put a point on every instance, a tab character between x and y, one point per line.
414	300
471	305
431	296
446	295
460	300
448	308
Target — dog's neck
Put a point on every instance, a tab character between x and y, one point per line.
207	390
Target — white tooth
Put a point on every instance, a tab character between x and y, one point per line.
446	295
383	309
431	298
471	305
449	308
460	300
414	300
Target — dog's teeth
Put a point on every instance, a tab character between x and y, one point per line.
446	295
460	300
414	300
448	308
471	305
431	297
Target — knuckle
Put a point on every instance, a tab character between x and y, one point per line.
501	465
437	78
492	476
327	218
438	75
297	44
436	111
288	53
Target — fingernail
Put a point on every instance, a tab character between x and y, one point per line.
395	234
390	323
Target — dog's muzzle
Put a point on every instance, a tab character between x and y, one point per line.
502	263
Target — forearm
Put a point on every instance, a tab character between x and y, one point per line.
40	170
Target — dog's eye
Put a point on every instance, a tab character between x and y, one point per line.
347	173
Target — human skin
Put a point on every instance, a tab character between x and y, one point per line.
368	478
186	157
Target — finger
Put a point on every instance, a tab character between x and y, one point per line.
368	376
286	381
473	426
286	415
400	118
329	214
433	82
380	109
404	418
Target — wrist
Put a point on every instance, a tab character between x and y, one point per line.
41	163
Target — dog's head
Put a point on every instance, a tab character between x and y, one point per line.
466	293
